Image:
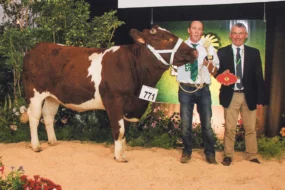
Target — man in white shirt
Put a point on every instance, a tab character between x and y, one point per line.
194	80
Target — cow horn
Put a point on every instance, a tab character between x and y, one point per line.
152	31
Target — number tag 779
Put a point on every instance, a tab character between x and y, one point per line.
148	93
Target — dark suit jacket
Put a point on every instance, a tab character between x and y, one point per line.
252	76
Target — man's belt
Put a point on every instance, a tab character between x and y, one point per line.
193	85
239	91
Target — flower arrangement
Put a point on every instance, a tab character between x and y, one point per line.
159	129
39	183
12	180
18	181
156	129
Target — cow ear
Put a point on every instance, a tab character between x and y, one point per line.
137	37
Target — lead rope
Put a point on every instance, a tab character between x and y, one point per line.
198	87
173	51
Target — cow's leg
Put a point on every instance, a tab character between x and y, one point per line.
126	125
49	110
34	113
114	108
118	132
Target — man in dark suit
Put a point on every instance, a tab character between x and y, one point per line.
244	96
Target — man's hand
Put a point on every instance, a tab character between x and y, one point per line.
211	68
207	62
226	71
259	106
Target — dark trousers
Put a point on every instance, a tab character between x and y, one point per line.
202	98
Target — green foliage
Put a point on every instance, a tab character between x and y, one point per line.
157	129
271	147
163	141
69	125
6	76
239	138
87	126
13	180
12	56
102	30
16	38
30	22
12	130
197	137
9	135
68	22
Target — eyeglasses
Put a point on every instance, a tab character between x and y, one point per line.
240	34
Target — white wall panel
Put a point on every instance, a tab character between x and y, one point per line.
165	3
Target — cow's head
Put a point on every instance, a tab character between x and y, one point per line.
165	46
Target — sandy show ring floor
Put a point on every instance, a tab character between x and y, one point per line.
88	166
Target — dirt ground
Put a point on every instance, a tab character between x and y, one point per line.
87	166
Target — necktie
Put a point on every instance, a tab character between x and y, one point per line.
238	69
194	67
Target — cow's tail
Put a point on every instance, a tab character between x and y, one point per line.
24	118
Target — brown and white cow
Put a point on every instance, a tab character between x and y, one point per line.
95	78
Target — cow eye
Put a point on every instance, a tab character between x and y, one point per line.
170	39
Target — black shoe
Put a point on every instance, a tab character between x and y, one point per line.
185	158
211	160
227	161
255	160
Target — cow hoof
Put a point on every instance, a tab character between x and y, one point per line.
121	160
52	143
38	149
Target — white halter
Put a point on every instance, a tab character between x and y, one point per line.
172	51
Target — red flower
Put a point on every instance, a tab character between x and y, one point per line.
36	177
24	178
40	183
2	169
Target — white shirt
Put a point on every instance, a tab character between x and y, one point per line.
241	52
203	74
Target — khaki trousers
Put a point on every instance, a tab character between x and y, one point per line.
238	105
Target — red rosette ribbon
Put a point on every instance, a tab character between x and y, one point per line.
226	78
